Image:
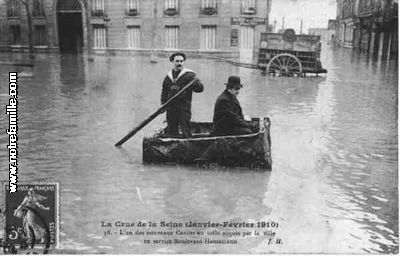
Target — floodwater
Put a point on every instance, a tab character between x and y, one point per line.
332	188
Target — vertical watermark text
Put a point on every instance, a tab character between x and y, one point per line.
12	131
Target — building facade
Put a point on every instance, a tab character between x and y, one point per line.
368	25
377	32
209	26
332	28
347	10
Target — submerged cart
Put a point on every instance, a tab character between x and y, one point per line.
290	55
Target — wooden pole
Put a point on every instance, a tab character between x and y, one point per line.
154	115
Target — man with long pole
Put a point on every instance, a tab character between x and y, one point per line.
179	111
176	98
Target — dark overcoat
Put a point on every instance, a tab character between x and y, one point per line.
228	115
183	104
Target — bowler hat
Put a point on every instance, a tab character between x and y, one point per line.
234	82
171	58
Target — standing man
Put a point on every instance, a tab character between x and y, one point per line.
228	116
179	111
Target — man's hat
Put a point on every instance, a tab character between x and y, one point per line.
234	82
171	58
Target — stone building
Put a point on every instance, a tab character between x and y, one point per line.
377	30
201	26
368	25
347	11
332	27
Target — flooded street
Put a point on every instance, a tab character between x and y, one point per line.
333	184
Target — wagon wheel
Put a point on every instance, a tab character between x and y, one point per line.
285	64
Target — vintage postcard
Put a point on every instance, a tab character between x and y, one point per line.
199	127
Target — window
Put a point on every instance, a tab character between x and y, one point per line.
366	6
134	37
99	37
209	4
97	7
133	7
208	37
378	5
235	37
15	33
209	7
40	35
349	34
342	34
171	37
347	8
13	8
248	6
38	8
71	5
171	7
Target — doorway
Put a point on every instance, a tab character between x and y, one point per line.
246	37
69	20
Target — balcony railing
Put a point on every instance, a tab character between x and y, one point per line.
98	13
38	13
171	12
209	11
132	12
249	10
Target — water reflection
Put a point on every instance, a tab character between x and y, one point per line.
72	75
334	144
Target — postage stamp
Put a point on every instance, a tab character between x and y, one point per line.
31	218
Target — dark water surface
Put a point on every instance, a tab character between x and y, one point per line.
333	187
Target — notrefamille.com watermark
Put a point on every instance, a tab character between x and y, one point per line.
12	131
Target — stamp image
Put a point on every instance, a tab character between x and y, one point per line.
31	218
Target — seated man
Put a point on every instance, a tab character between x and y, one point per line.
228	117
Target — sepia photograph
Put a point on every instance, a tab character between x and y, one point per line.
199	127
